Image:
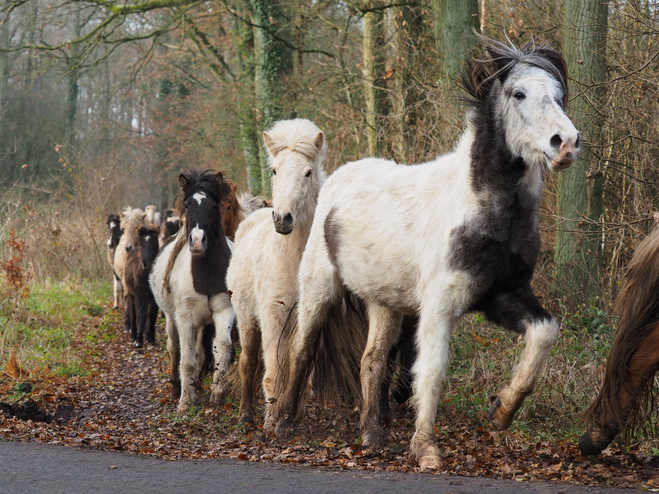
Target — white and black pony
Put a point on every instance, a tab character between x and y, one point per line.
189	287
440	239
113	222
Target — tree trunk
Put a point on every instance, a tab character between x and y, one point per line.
455	21
578	252
372	59
395	74
274	61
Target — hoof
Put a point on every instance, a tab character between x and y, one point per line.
182	408
138	344
587	447
500	416
429	462
594	441
217	398
373	437
246	417
115	307
426	455
284	428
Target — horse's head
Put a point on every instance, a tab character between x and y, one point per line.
148	245
199	204
296	152
527	91
113	222
131	220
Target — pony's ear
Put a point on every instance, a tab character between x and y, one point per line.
268	143
219	177
319	140
183	181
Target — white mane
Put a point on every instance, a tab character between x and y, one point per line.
296	135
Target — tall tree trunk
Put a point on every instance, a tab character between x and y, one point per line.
455	21
372	60
578	253
274	61
395	74
249	140
73	76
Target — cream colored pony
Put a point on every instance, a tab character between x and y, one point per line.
131	221
268	248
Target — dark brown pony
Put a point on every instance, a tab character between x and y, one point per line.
232	211
626	392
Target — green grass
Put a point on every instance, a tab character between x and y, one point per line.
42	327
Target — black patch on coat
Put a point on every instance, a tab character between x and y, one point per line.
499	247
331	230
210	267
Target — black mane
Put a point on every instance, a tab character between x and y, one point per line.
482	73
207	181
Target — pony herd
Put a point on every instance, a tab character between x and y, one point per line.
338	275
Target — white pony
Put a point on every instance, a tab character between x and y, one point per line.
263	270
441	239
189	287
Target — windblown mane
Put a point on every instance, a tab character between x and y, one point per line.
132	217
482	73
297	135
251	203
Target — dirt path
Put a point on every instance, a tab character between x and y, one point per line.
125	406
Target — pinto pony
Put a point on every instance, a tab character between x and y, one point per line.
441	239
269	244
113	222
189	287
634	358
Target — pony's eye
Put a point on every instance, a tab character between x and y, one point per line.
519	96
274	172
308	174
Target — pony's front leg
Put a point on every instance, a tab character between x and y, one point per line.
250	342
520	311
188	335
224	318
118	290
434	343
174	348
384	325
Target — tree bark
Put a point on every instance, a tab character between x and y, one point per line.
578	248
274	62
455	21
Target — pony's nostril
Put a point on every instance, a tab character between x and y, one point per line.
274	216
568	155
555	141
578	143
288	219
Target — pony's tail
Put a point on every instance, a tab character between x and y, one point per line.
637	305
335	356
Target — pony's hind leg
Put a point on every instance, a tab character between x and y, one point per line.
118	291
250	342
174	349
224	318
520	311
384	325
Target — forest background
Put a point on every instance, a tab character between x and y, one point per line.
103	103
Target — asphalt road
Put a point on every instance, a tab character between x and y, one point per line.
39	468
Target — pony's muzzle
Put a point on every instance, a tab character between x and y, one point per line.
283	223
197	241
568	145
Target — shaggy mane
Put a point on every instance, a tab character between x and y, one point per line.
297	135
210	182
132	217
481	73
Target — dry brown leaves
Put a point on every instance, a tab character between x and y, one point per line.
124	405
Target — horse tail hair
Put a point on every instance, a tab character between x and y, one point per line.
176	250
637	306
335	354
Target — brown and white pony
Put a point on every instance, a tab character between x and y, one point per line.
131	221
634	358
113	222
232	211
188	282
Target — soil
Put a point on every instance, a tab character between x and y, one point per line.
125	405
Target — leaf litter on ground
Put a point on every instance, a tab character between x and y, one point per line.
124	404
